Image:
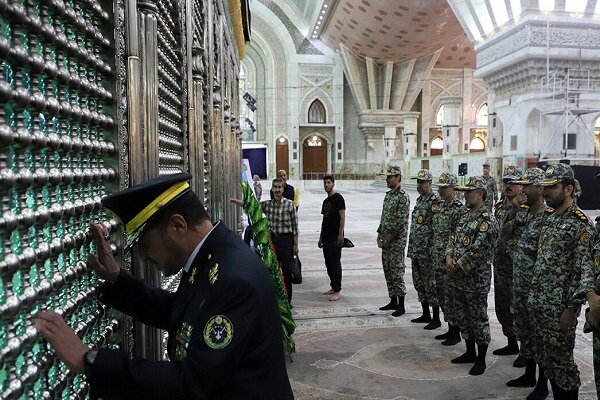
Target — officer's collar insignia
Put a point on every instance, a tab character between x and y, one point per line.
183	338
549	209
192	277
213	274
209	257
218	332
434	206
420	219
486	214
597	262
581	215
550	170
466	240
484	227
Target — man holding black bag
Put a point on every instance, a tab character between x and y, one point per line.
331	239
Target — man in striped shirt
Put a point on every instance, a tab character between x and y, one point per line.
283	226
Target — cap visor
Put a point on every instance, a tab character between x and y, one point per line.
523	182
550	182
461	188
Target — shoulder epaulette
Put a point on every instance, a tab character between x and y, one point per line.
581	215
549	210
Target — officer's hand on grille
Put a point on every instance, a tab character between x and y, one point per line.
103	262
568	321
68	346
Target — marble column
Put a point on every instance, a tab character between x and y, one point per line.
410	140
450	129
374	138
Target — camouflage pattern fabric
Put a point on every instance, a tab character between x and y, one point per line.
527	230
472	246
503	271
420	246
393	228
561	277
596	255
445	218
492	192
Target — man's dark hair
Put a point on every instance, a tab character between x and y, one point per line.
188	205
277	180
567	182
329	177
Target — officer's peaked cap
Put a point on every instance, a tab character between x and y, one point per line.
136	206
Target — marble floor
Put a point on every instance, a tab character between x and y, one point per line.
350	350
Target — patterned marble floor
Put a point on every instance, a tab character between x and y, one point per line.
350	350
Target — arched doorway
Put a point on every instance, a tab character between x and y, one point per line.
437	146
282	155
314	157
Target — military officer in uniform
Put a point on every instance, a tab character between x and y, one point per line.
503	264
526	229
469	260
562	276
419	250
225	336
446	213
491	187
391	239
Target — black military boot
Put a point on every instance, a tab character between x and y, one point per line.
511	348
426	317
399	308
541	388
520	361
479	367
467	358
444	335
435	322
527	379
454	337
392	305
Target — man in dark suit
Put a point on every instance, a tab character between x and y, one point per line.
225	339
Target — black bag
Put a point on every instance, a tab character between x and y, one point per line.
348	243
296	271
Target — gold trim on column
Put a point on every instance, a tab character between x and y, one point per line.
235	8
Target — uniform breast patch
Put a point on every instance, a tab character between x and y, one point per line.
484	227
466	240
218	332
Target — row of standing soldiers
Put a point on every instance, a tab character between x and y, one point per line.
546	260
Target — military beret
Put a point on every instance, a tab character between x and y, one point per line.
424	175
533	176
136	206
392	170
475	182
511	173
447	179
556	173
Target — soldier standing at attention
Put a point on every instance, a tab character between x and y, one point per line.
419	250
593	298
562	276
446	213
491	187
391	239
469	259
527	227
503	263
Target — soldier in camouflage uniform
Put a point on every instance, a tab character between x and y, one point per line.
391	238
503	263
469	259
593	298
527	228
562	276
446	213
419	250
491	187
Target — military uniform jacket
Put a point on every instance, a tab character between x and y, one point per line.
394	216
596	254
225	335
527	229
563	270
491	189
506	242
421	239
445	218
472	246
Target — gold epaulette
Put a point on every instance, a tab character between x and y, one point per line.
549	210
581	215
524	206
